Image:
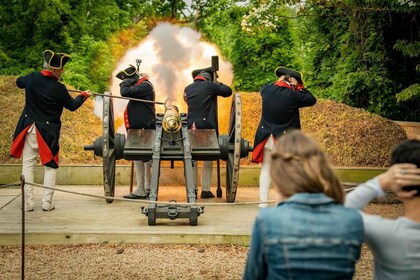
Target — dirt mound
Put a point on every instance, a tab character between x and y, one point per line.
351	136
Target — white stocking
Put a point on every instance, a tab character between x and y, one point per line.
140	177
206	174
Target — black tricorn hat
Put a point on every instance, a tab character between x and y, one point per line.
286	71
209	70
128	72
56	60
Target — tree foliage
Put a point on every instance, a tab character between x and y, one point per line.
364	53
246	37
29	27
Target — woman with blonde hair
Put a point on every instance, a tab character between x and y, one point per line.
309	234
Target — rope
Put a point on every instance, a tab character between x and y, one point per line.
18	184
4	186
10	201
144	201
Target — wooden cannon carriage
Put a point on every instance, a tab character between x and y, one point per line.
172	141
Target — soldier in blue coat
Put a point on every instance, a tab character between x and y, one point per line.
281	101
201	98
38	129
138	115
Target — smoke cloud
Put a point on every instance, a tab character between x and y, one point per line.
169	54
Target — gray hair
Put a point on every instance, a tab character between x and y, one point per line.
145	75
46	66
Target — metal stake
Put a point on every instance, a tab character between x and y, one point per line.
22	179
131	176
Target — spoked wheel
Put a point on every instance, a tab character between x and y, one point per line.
234	155
108	148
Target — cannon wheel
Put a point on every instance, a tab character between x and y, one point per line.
232	163
193	217
108	148
151	217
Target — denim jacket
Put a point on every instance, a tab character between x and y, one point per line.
308	236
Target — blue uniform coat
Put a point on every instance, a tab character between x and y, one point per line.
280	112
45	99
201	98
139	114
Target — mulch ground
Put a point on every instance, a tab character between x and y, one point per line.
149	261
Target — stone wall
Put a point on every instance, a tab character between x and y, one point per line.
411	128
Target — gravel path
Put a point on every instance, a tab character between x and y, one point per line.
148	261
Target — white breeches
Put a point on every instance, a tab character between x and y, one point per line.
143	177
29	160
206	175
265	179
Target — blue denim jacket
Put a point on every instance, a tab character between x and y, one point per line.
308	236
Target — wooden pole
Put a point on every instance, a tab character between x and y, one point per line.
121	97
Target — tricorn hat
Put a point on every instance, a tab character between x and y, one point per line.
128	72
280	71
208	70
56	60
205	75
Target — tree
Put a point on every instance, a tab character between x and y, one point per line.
364	53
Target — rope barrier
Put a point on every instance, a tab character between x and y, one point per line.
18	184
10	201
23	183
145	201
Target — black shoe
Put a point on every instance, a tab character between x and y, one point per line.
134	196
207	194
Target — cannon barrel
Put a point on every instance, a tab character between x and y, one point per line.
171	121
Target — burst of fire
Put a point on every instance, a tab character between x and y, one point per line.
169	54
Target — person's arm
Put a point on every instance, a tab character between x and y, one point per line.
22	81
221	89
391	180
141	91
305	97
71	103
398	176
363	194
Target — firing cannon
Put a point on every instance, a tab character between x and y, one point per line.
172	141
